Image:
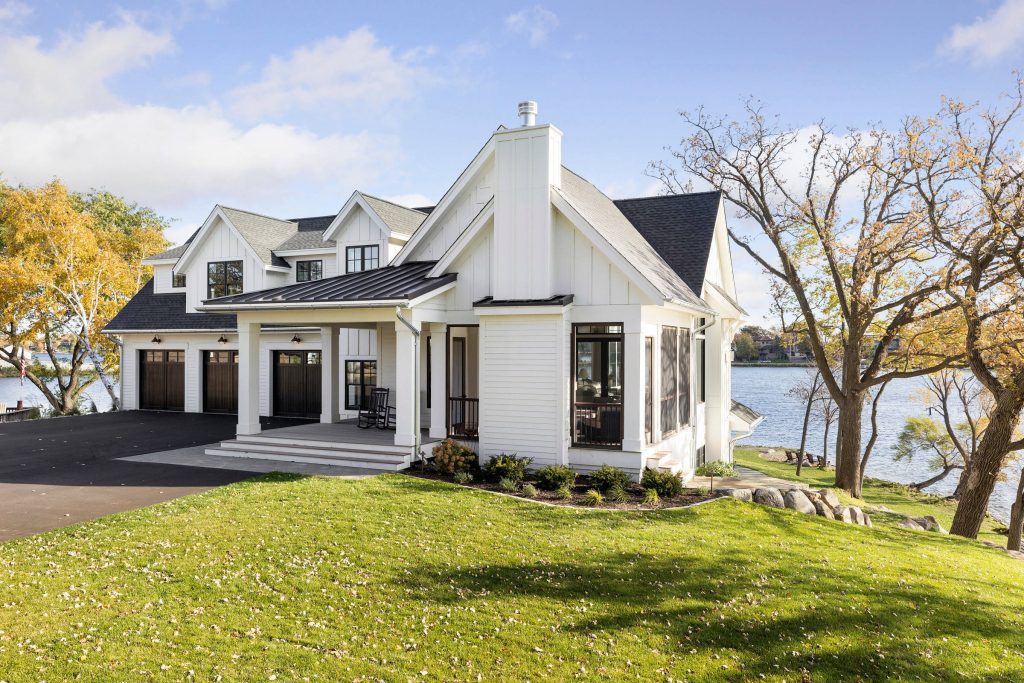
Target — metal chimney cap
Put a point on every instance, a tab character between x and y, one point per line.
528	112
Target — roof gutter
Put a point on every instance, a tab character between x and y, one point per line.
416	451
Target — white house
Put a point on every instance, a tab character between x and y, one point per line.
525	313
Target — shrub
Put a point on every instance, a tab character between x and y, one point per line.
593	497
507	466
450	457
703	490
508	484
554	477
463	477
715	468
651	497
667	484
565	493
530	491
607	477
617	494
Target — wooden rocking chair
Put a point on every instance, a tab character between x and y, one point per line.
375	412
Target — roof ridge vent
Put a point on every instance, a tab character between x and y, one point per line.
528	113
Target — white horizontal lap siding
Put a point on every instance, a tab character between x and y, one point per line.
521	396
162	279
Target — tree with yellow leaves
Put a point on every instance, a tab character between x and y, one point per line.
68	263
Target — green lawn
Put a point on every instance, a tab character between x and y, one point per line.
396	578
875	492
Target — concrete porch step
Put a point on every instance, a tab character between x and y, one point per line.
318	450
325	457
292	441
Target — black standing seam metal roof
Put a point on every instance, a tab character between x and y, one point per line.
390	283
147	311
680	227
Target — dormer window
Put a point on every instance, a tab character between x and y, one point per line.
223	278
178	280
308	271
364	257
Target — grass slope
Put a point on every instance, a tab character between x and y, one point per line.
875	492
396	578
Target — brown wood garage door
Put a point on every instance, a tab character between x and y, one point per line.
162	380
220	381
297	384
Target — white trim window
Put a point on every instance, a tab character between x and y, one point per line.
223	278
309	271
362	257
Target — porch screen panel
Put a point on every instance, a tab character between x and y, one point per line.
684	377
669	386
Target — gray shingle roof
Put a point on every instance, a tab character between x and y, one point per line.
263	233
602	213
391	283
147	311
305	239
399	219
172	253
680	228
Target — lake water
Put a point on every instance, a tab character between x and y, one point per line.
765	390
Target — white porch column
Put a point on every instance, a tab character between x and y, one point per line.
633	403
406	385
438	380
330	380
248	378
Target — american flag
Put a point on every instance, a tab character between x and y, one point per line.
22	367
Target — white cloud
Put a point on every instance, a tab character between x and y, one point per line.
195	79
535	22
72	76
352	70
411	200
13	12
991	37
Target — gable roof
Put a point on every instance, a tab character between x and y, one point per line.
263	233
382	285
680	227
401	220
605	217
147	311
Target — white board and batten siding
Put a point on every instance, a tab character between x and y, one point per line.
330	265
522	363
457	216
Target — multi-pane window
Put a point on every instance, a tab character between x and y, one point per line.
308	271
669	380
178	280
223	278
360	379
684	377
365	257
598	385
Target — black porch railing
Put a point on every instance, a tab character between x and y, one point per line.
597	424
463	418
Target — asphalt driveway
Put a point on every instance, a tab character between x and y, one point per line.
59	471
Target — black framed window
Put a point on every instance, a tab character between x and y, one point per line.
178	280
669	380
598	380
365	257
701	363
308	271
360	379
223	278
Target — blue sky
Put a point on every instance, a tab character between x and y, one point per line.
285	108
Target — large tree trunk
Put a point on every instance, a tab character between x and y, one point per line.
108	383
848	478
803	433
986	464
1017	517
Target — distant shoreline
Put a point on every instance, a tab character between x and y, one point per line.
772	365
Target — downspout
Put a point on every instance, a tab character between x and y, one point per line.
416	453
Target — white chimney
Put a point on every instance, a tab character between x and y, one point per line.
528	113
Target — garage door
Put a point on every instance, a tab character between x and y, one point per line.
162	380
220	381
297	384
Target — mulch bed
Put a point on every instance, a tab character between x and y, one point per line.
634	491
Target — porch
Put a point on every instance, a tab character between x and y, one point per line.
337	443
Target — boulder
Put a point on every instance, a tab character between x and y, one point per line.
990	544
930	523
812	496
857	514
830	497
770	497
909	523
823	509
746	495
844	514
794	499
867	521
